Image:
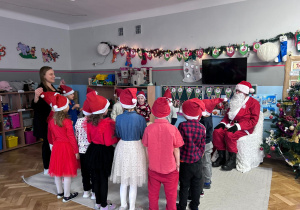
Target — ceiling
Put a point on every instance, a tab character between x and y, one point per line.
81	13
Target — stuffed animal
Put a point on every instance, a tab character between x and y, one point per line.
4	86
282	57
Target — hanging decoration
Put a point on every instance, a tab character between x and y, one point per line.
199	53
283	50
267	52
144	57
122	51
2	51
116	50
228	92
216	52
179	56
48	55
189	92
173	92
167	56
197	91
230	51
149	55
140	54
244	49
218	91
128	59
180	91
191	71
208	91
133	53
297	40
26	51
165	88
185	55
256	46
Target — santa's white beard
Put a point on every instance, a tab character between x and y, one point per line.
236	103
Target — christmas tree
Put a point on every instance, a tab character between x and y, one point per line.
285	134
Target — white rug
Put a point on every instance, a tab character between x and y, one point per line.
230	190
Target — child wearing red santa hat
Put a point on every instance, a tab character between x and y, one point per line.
191	153
63	163
117	108
172	117
162	141
74	108
129	166
142	107
100	153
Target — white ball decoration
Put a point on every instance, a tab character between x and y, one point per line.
291	128
103	49
268	51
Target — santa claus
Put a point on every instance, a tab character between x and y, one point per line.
240	120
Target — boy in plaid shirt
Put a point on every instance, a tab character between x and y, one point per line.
191	153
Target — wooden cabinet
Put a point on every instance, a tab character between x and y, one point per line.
13	103
108	92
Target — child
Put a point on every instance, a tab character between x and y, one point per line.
100	153
117	108
83	144
129	166
172	117
142	107
162	141
74	108
63	163
193	133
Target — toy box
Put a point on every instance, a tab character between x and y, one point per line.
5	107
27	122
11	141
29	138
14	119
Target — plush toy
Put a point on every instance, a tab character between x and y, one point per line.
144	57
282	57
128	59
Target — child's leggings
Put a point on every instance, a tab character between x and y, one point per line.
132	196
67	185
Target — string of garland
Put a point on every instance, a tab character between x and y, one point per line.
193	53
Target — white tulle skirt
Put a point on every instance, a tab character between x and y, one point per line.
129	165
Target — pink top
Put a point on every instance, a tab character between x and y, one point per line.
161	138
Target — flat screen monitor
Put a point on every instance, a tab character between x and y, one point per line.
227	71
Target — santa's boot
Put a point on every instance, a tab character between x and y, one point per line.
231	163
221	159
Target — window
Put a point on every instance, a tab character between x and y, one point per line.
120	31
138	29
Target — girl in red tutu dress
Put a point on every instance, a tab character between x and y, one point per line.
63	163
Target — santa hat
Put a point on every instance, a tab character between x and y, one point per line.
193	108
88	90
210	104
141	93
60	103
118	92
48	97
128	98
97	104
168	94
245	87
66	90
161	107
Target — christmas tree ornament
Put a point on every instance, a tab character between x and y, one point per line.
198	91
133	53
199	53
297	40
282	57
167	56
267	52
2	51
256	46
179	91
228	92
271	117
278	104
149	55
261	149
189	92
297	140
269	156
230	51
218	91
296	98
208	91
122	51
273	148
215	52
179	56
291	128
288	98
244	48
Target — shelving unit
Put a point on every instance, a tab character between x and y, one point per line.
108	91
18	103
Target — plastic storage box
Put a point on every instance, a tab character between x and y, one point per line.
11	141
14	119
29	138
27	122
1	142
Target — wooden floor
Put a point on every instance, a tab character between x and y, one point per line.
15	194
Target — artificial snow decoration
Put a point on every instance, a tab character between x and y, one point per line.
191	71
268	52
103	49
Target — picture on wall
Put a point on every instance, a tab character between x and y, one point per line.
48	55
267	104
2	51
26	51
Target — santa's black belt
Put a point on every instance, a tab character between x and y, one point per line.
233	121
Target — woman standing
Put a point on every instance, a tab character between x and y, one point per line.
41	112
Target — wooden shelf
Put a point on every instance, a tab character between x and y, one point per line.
19	146
111	86
9	112
10	130
13	93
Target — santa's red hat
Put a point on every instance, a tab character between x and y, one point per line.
48	97
118	92
97	104
168	94
86	108
193	108
210	104
245	87
128	98
88	90
161	107
141	93
66	90
60	103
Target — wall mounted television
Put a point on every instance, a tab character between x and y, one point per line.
228	71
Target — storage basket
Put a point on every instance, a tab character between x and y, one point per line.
14	119
29	138
1	143
11	141
27	122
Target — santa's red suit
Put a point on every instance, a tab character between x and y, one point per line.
244	118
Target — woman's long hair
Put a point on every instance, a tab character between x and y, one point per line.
59	117
94	119
43	71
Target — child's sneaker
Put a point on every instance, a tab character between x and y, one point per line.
86	194
97	206
60	195
93	197
109	206
46	172
202	194
206	185
72	195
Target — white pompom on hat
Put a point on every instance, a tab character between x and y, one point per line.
66	90
48	97
245	87
128	98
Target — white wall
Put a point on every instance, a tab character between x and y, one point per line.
14	31
216	26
